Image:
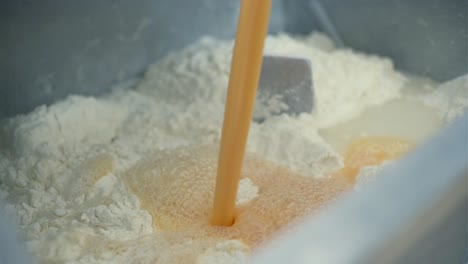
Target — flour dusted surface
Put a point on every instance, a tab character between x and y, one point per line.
345	83
61	166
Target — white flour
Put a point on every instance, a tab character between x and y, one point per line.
451	98
60	166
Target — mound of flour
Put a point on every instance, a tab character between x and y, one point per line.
60	166
345	83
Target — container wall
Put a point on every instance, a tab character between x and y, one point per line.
53	48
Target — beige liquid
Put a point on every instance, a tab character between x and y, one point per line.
176	186
371	151
243	81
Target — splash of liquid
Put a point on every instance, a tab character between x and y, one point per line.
177	188
371	151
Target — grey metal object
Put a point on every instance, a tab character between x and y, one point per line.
326	24
52	48
415	212
286	81
11	250
424	37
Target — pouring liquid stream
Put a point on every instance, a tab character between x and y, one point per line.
243	81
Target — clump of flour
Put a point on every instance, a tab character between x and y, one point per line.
56	187
345	83
368	174
229	252
71	208
451	98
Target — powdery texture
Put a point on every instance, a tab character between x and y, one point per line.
345	83
177	188
61	166
450	98
57	177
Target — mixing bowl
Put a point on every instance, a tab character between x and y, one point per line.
52	48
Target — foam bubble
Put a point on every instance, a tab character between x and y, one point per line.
177	188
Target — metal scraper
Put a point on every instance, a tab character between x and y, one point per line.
285	86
